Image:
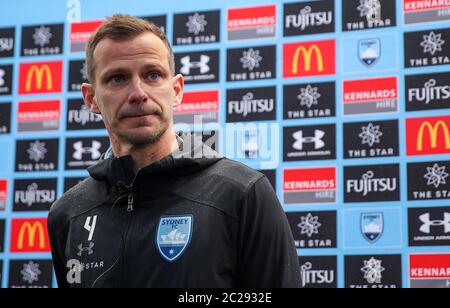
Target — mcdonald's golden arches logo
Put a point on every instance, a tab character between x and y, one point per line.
43	77
309	59
428	136
29	235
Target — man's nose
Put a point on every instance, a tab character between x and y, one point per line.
137	92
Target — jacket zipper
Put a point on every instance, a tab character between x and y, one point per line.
130	207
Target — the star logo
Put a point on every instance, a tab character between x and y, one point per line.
37	151
309	225
196	24
432	43
251	59
371	9
309	96
30	272
42	36
371	134
372	271
436	176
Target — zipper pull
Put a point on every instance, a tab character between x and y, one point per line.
130	203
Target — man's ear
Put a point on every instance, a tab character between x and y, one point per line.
178	86
89	97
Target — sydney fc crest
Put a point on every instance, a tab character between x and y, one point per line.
369	51
372	226
173	236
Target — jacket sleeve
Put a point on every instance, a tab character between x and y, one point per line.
267	254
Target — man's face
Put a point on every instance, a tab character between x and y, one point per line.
134	90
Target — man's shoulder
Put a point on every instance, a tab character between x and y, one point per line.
236	174
223	186
81	198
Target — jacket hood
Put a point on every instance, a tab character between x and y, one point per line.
192	156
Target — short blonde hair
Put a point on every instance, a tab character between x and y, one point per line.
121	27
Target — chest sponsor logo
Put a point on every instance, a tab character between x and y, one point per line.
196	28
173	236
428	136
368	14
371	139
310	185
427	48
41	40
313	229
373	272
252	22
310	17
421	11
429	271
372	183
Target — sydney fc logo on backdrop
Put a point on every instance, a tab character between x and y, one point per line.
372	225
173	236
369	51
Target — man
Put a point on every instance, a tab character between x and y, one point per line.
164	210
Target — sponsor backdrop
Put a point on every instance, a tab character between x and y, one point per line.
345	105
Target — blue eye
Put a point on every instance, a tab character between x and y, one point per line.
153	76
118	79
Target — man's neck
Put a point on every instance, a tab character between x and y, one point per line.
144	156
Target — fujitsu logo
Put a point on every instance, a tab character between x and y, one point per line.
431	91
310	276
83	116
369	184
307	18
6	44
33	195
249	104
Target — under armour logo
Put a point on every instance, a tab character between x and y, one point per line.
2	80
428	223
87	249
94	150
188	65
301	140
90	227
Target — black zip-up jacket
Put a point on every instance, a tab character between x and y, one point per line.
181	222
